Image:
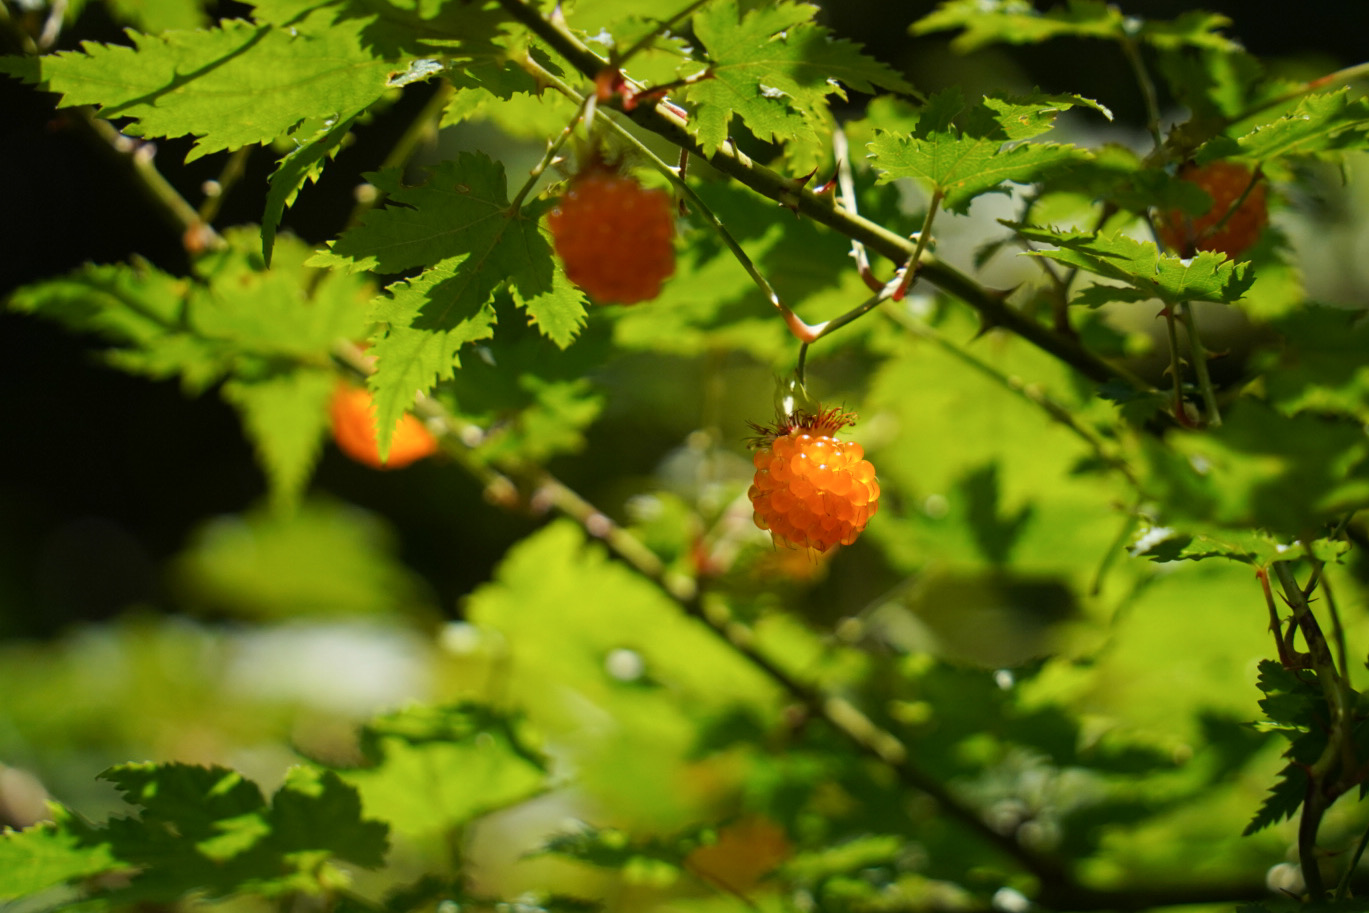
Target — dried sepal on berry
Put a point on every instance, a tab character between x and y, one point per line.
614	236
812	490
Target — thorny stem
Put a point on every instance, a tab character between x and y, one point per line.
991	306
1333	772
1198	356
1343	887
1175	367
914	265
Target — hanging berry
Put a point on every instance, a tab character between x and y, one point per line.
1224	182
614	236
354	430
812	490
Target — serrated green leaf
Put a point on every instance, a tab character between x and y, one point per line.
558	313
960	151
1285	798
194	798
459	224
1196	543
433	769
315	811
285	415
50	854
236	85
773	69
1207	277
1330	122
305	163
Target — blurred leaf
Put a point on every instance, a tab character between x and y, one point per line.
1261	469
431	769
988	22
48	855
327	559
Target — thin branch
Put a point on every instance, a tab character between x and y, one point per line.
1198	358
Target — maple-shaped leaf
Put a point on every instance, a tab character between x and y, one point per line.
960	151
460	225
773	68
423	332
1146	272
232	86
1329	122
988	22
51	854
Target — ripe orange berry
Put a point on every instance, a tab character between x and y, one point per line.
1224	182
810	489
614	236
353	414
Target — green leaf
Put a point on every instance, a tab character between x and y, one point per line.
433	769
773	68
305	163
50	854
960	151
464	30
559	313
315	811
324	560
232	86
988	22
1261	469
1330	122
1150	274
1321	366
458	224
285	415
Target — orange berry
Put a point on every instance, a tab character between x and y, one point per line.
1224	182
746	851
354	430
810	489
614	236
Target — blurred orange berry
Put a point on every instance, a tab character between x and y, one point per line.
354	430
746	851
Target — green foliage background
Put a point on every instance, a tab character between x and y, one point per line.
1044	676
